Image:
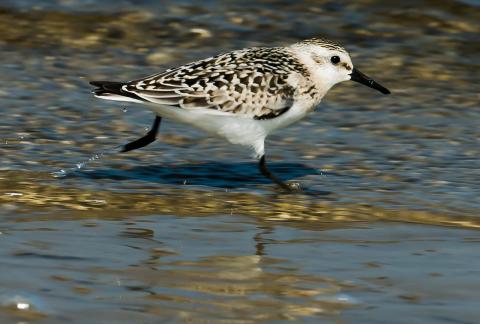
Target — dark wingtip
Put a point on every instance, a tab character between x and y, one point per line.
105	88
108	85
96	83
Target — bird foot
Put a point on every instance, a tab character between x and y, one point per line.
294	186
289	187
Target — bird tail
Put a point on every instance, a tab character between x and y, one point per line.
113	91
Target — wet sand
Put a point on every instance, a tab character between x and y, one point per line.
186	229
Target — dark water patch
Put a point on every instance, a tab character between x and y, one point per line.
125	240
48	256
211	174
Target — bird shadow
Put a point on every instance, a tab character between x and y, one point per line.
213	174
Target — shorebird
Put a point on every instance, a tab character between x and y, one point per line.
243	95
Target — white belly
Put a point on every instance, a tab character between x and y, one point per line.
236	129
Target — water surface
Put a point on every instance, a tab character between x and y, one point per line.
186	229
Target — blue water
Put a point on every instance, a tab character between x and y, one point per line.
187	229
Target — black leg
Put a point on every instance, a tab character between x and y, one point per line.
263	168
150	137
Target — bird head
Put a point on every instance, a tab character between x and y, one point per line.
332	64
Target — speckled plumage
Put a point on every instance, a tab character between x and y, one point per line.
250	82
241	95
325	43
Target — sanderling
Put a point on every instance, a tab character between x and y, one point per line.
242	95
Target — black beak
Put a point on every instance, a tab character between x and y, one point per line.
359	77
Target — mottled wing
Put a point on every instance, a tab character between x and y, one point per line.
250	82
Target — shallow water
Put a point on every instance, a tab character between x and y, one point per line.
386	229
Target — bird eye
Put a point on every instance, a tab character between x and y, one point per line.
335	59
